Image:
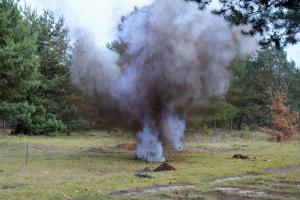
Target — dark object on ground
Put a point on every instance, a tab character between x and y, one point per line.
164	167
10	186
113	131
240	156
143	175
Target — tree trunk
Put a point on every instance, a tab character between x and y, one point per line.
278	138
4	126
240	121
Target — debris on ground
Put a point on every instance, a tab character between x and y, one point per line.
143	174
10	186
240	156
113	131
164	167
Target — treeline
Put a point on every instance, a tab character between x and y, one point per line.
35	54
36	96
254	85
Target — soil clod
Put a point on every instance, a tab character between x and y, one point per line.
164	167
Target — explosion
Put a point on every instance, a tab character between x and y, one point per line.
175	59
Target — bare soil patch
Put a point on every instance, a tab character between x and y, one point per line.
232	178
131	147
120	148
41	147
152	190
284	170
226	196
243	191
282	184
255	193
126	146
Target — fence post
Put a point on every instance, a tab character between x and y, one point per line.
27	155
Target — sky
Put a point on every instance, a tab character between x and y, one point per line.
101	17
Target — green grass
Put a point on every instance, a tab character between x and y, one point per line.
63	168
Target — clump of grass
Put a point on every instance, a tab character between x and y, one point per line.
207	131
54	134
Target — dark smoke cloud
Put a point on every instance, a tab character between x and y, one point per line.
176	59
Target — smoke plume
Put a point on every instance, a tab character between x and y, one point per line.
176	58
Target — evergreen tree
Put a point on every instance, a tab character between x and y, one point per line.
18	64
293	94
277	20
218	114
255	83
54	95
35	90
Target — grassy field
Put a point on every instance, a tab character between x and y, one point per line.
89	167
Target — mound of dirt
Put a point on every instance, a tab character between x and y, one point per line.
164	167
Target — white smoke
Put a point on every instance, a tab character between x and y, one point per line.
176	58
95	69
149	147
173	128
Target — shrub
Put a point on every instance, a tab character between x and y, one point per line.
246	132
207	131
285	120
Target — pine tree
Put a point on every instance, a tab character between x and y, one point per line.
277	21
18	64
255	83
293	93
54	95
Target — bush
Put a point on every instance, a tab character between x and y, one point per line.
207	131
245	133
285	119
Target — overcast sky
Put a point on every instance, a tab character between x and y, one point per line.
101	17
